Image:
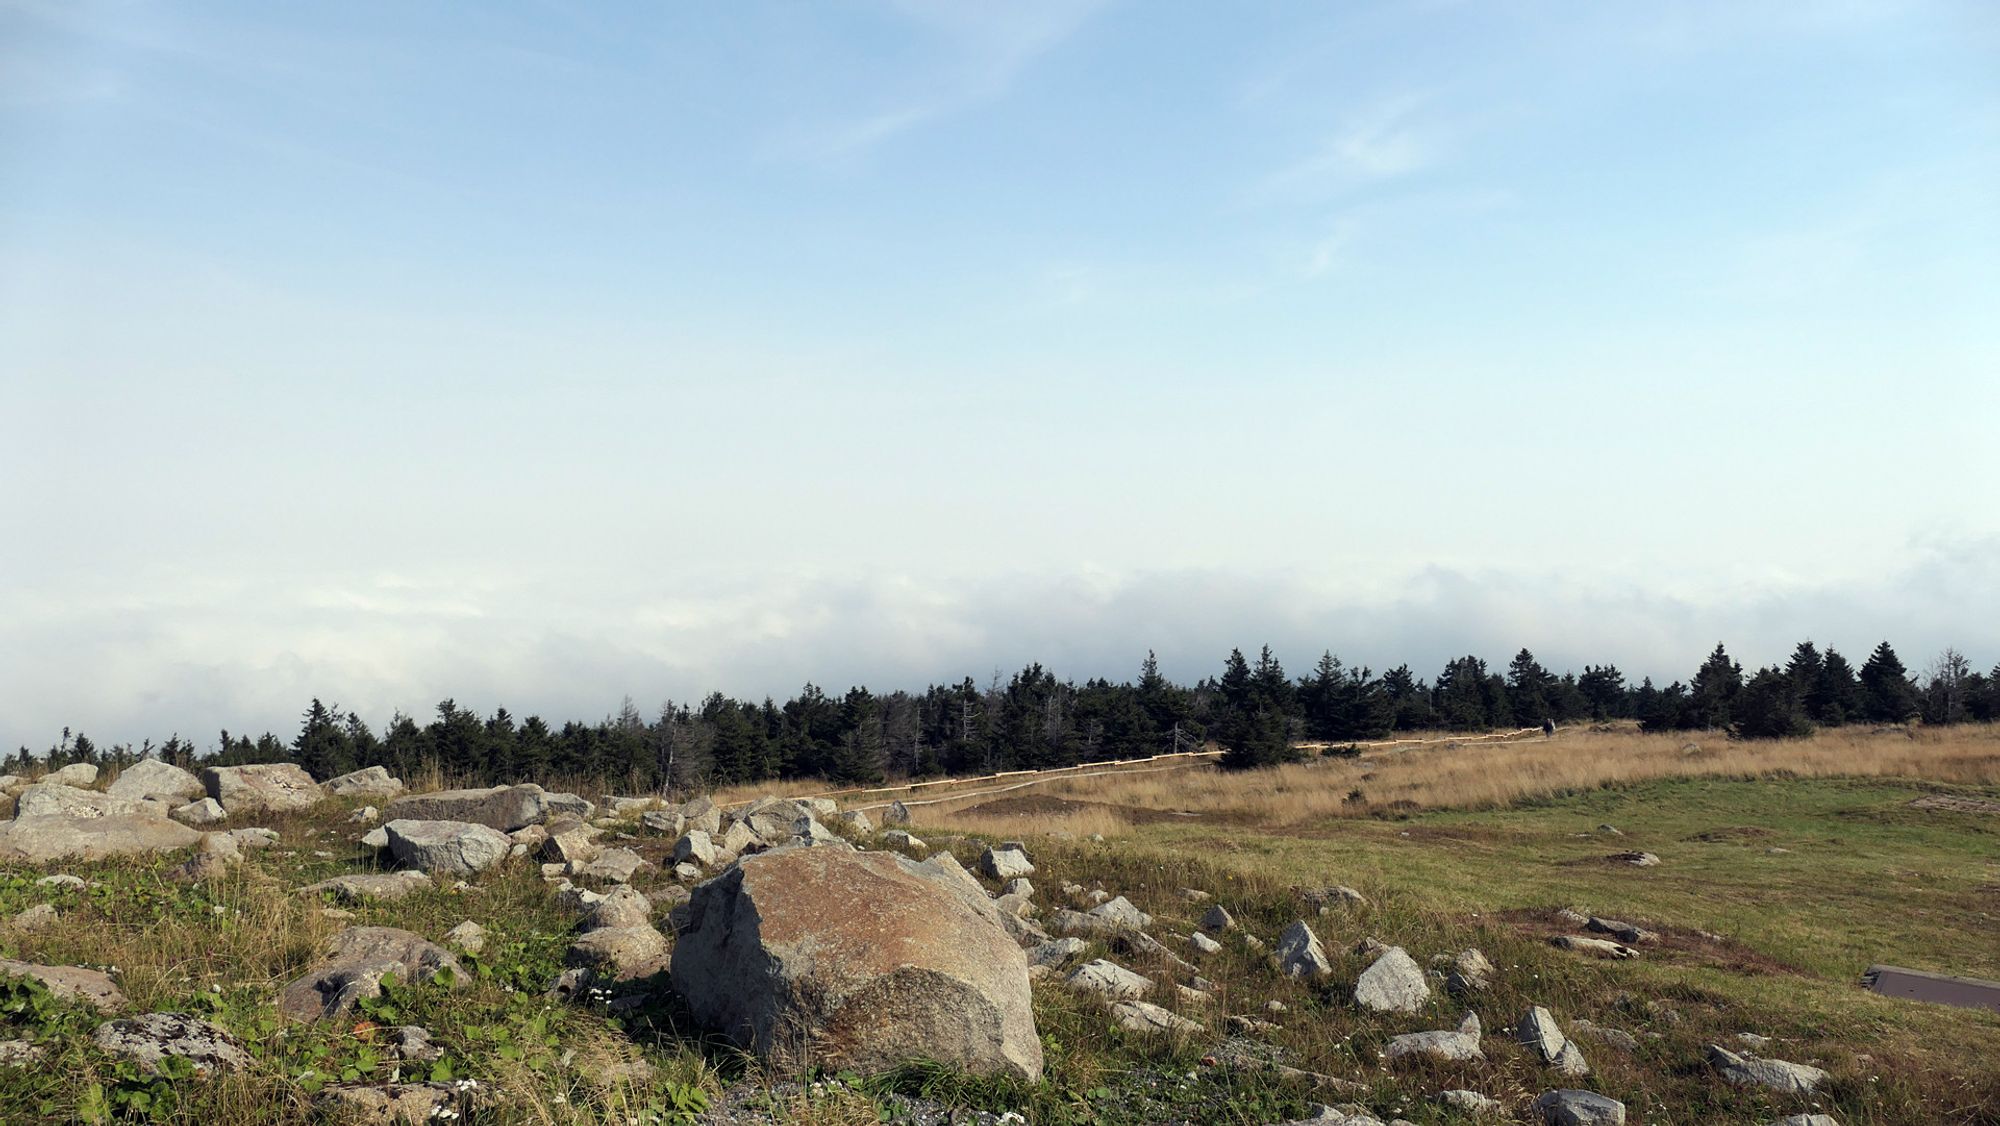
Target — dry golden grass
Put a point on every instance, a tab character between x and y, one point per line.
1451	775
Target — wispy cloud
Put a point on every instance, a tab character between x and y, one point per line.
980	51
1390	137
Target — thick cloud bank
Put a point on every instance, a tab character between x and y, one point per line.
192	656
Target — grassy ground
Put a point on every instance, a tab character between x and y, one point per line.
1865	878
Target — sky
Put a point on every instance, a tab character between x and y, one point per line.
541	355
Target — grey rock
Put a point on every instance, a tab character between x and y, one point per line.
1019	886
155	780
71	983
505	808
44	839
1299	953
1578	1108
701	813
280	787
1602	948
694	847
1469	1102
51	799
1057	953
20	1053
1394	983
1202	944
201	811
1538	1031
857	821
666	822
1120	911
1216	920
376	838
1455	1045
896	814
1808	1120
898	838
467	936
362	887
1588	1030
1108	979
1005	863
567	840
1778	1075
39	917
1637	859
391	1103
453	848
1143	1017
1620	930
614	865
79	774
368	782
356	961
149	1039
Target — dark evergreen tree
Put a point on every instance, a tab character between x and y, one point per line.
1713	691
1886	695
1770	706
1528	686
1603	690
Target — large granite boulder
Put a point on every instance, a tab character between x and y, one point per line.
1393	984
356	963
454	848
159	781
49	799
368	782
75	774
280	787
862	960
40	839
505	808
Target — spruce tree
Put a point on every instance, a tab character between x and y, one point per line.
1713	690
1885	688
1769	707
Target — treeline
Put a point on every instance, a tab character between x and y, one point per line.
1254	709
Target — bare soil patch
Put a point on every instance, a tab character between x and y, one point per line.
1675	944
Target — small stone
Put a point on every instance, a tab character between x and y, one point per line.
1579	1108
1217	919
1005	863
1202	944
1394	983
1299	953
1140	1016
467	936
1778	1075
35	918
149	1039
1108	979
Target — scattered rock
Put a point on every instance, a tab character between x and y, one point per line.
376	838
701	813
505	808
1778	1075
1216	920
1141	1016
1005	863
1603	948
896	814
1019	886
467	936
1579	1108
50	799
1056	953
71	983
280	787
20	1053
63	880
1120	912
1624	1041
1622	931
39	917
43	839
356	962
1636	859
78	774
1394	983
368	782
454	848
1808	1120
1108	979
857	821
898	838
694	847
361	887
614	865
366	815
1459	1045
1202	944
864	960
1471	972
1469	1102
393	1104
1299	953
153	780
148	1039
666	822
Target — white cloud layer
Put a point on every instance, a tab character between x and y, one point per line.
248	654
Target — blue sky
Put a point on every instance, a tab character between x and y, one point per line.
542	354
